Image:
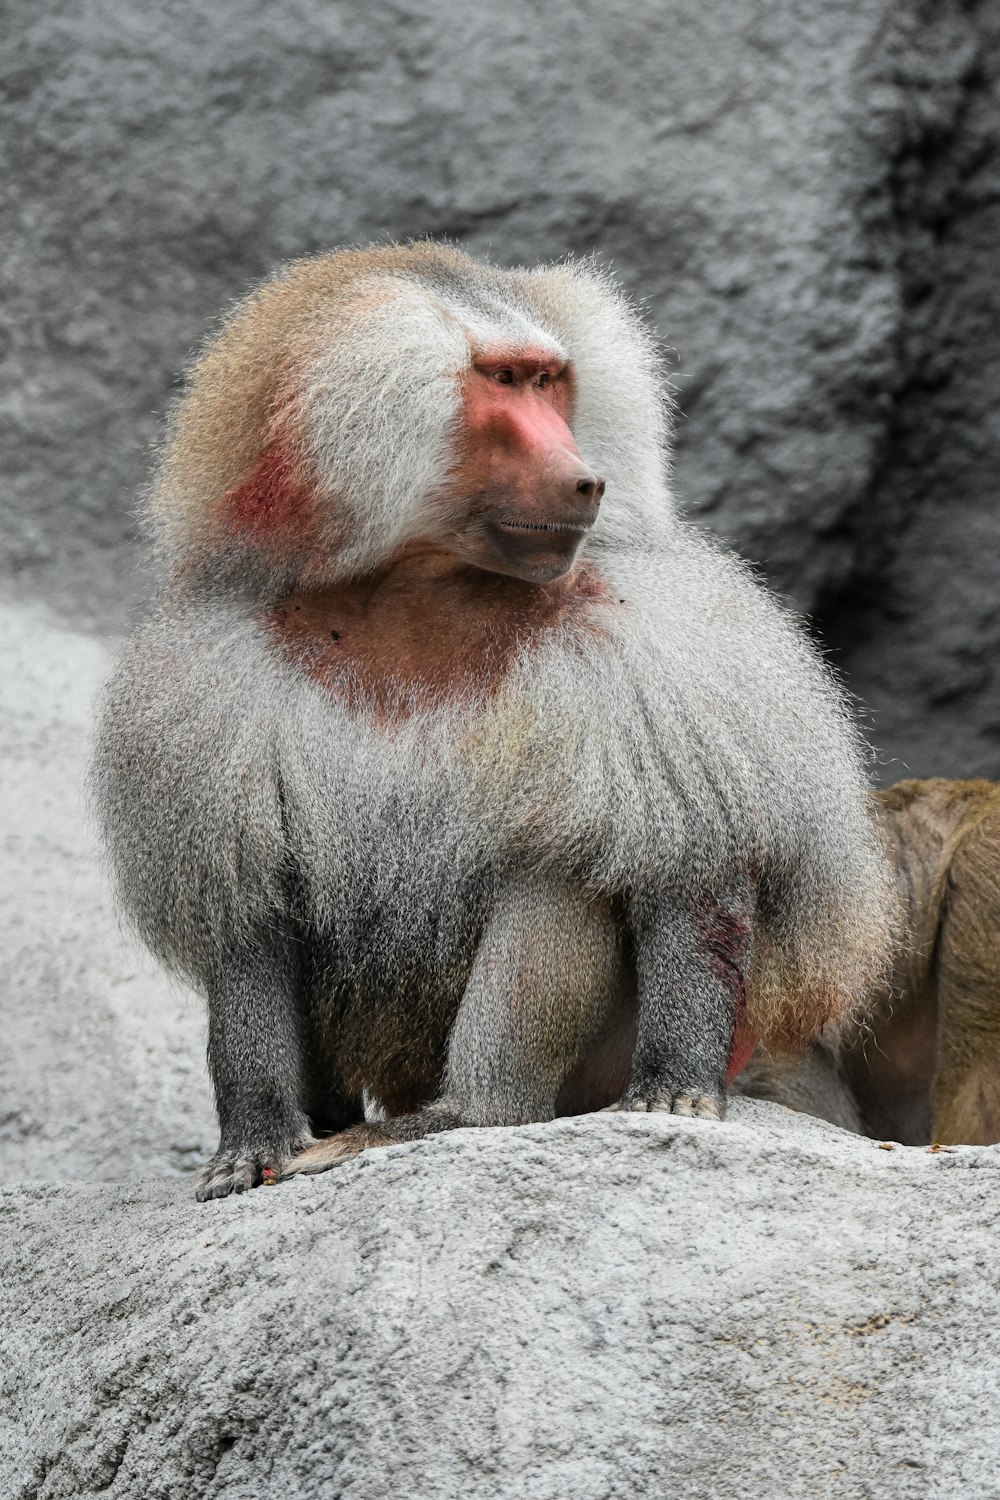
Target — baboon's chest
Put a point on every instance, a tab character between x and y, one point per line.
406	645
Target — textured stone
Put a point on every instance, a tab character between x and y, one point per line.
734	164
631	1306
804	195
101	1069
919	632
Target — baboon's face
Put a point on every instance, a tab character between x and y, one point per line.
522	498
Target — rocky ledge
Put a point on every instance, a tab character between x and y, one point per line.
604	1306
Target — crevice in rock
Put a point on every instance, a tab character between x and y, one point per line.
916	628
935	157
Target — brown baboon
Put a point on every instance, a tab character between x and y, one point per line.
459	783
925	1065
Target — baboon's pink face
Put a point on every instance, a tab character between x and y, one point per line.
523	497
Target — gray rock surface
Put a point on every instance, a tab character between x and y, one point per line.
631	1306
919	632
805	193
101	1068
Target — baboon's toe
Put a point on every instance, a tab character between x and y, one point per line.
701	1106
698	1106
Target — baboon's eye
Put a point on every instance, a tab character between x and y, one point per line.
504	377
543	380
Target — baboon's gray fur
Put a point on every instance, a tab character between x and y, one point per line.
700	736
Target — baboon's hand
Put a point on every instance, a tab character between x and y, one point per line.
236	1171
703	1106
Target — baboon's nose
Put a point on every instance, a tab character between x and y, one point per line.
591	488
584	490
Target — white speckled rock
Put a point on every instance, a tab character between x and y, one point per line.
622	1306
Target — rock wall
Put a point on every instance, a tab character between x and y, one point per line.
804	194
918	629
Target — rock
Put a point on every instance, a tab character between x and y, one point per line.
632	1306
919	631
101	1072
805	197
161	171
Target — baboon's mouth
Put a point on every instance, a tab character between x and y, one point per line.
577	527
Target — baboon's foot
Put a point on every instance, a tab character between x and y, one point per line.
344	1146
236	1172
701	1106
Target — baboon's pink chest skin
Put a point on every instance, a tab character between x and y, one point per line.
426	631
443	617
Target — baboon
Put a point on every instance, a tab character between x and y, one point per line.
925	1064
461	775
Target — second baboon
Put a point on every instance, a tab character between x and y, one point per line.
925	1063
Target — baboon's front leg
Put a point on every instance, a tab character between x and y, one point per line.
255	1060
691	965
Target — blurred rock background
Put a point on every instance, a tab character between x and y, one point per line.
804	193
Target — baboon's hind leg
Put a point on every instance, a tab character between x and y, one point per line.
347	1144
966	1090
965	1096
546	986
